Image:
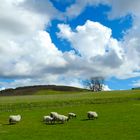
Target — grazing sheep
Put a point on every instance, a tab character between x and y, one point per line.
54	115
47	119
14	119
71	115
62	118
58	117
92	115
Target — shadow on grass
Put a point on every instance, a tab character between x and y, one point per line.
87	119
56	123
8	124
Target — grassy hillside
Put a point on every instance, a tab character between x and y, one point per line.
39	89
119	113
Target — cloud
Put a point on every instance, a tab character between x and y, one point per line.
46	79
96	36
29	56
136	83
129	45
36	54
96	47
78	7
16	20
106	88
124	7
26	50
41	7
119	8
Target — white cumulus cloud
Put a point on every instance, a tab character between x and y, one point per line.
102	54
29	56
136	83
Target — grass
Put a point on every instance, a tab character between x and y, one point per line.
118	111
52	92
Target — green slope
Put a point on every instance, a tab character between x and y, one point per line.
119	113
39	89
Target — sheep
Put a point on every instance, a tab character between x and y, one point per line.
47	119
62	118
92	115
54	115
71	115
13	119
58	117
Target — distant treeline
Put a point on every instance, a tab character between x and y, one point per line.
29	90
136	88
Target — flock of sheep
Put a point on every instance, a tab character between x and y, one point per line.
54	117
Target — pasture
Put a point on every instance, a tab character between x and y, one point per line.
119	116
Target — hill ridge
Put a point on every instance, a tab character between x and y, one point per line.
30	90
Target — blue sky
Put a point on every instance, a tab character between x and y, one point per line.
67	42
96	14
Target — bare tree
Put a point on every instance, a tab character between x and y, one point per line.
95	83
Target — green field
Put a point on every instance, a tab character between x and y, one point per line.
119	116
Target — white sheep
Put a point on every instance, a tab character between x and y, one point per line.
47	119
62	118
58	117
71	115
14	119
92	115
54	115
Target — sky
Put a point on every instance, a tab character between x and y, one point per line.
59	42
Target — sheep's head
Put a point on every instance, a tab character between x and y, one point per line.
67	119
